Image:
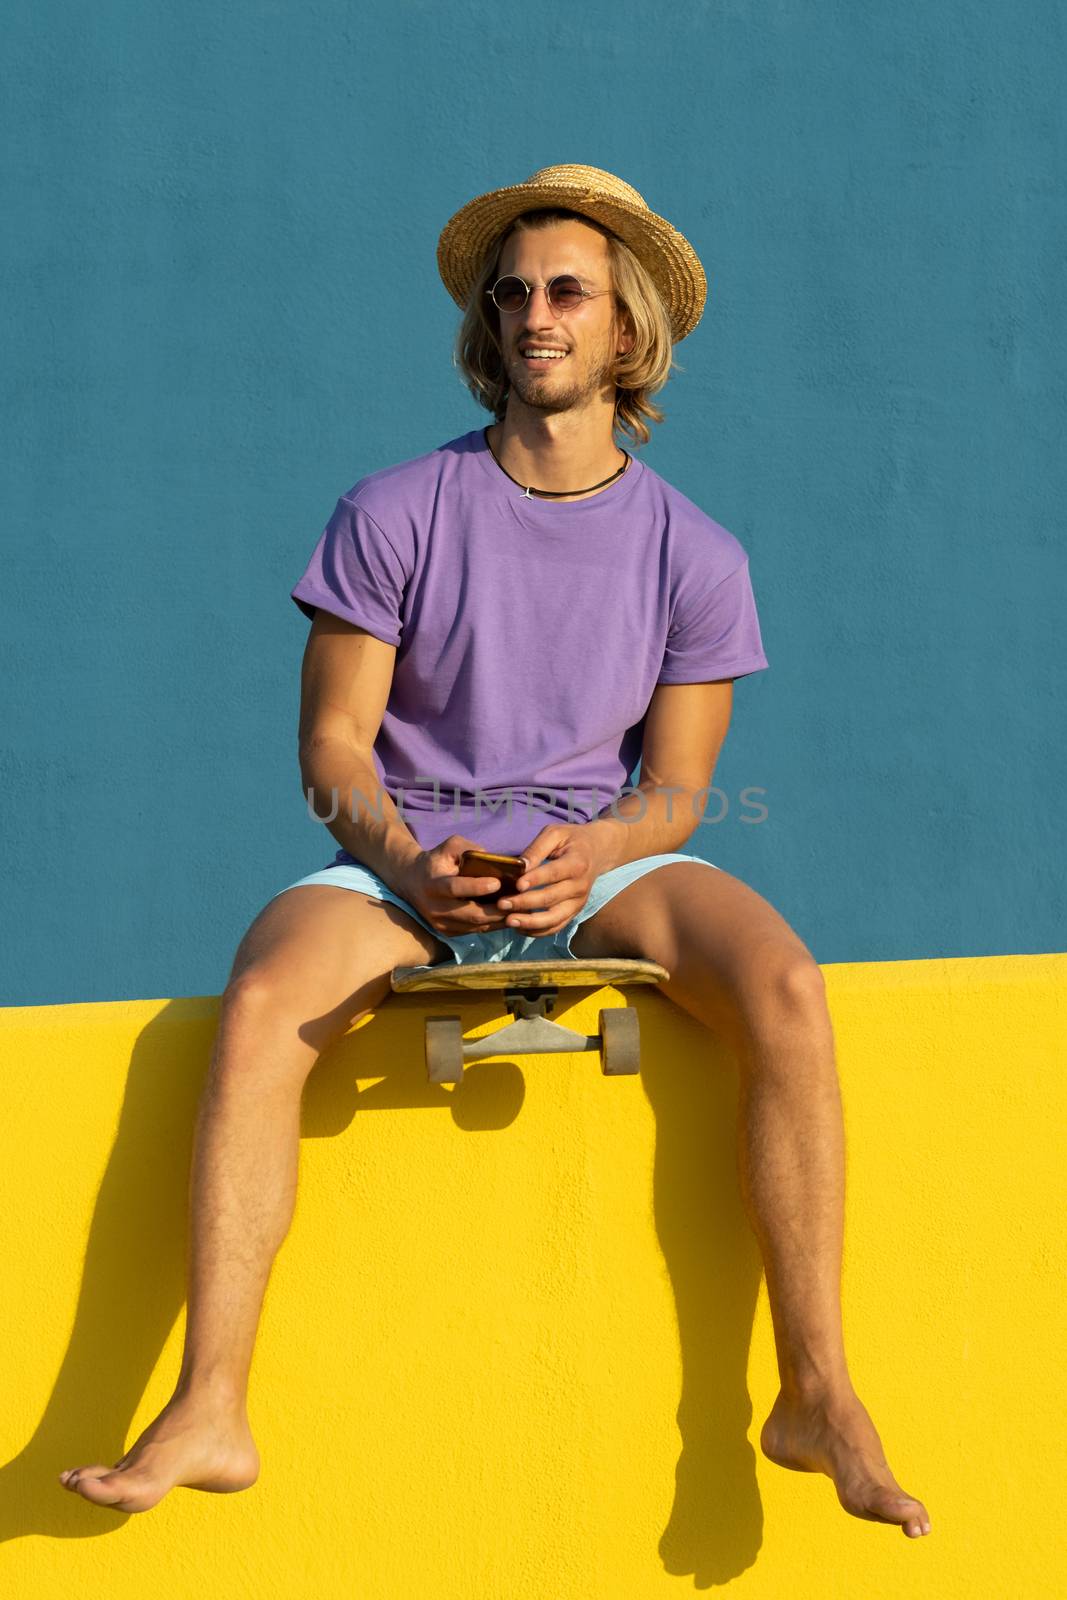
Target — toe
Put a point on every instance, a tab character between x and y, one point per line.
99	1483
106	1487
126	1488
903	1508
75	1475
880	1503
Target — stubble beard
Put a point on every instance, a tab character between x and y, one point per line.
540	392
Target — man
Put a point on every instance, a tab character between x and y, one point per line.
521	614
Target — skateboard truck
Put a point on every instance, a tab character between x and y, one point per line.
531	1033
530	994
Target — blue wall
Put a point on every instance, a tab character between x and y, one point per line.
222	308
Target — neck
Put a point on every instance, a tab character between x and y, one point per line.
562	453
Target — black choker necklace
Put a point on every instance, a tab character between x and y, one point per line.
553	493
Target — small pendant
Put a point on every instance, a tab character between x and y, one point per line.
526	496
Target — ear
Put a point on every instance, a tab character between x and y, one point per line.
625	333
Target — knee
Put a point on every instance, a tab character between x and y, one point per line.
787	987
799	982
250	998
260	1022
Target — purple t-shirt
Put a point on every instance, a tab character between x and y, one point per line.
530	634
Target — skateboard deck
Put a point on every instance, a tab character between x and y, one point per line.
526	974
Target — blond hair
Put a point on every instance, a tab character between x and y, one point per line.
639	374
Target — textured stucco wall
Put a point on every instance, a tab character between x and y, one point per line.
516	1345
221	308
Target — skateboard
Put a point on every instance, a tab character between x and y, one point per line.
530	991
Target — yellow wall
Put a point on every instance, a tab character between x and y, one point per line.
516	1345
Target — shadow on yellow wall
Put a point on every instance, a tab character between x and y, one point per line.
509	1344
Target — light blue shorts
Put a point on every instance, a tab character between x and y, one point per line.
499	944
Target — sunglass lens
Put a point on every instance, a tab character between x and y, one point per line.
510	294
566	293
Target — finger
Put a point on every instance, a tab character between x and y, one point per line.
480	921
560	913
461	888
558	871
547	841
536	929
542	898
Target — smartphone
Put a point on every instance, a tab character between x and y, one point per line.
484	864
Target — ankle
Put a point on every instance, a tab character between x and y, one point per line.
823	1393
215	1391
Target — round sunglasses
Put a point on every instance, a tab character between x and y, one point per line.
564	293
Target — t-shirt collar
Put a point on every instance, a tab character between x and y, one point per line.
537	513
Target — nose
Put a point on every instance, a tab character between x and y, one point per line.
539	313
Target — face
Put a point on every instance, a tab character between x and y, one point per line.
590	335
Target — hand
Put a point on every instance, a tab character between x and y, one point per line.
550	895
432	884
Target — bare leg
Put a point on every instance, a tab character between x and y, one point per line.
791	1159
303	958
738	967
243	1183
791	1149
242	1191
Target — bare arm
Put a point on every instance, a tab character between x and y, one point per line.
344	688
685	728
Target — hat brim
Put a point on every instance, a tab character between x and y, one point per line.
664	252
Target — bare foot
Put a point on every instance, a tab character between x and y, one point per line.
191	1443
838	1438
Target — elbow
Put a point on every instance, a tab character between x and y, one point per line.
313	753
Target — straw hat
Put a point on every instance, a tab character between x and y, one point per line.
666	255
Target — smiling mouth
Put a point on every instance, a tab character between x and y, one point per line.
542	361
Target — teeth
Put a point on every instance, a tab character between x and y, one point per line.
552	355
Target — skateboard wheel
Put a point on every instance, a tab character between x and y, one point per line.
444	1050
620	1041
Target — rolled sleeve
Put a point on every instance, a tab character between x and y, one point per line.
355	574
714	631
